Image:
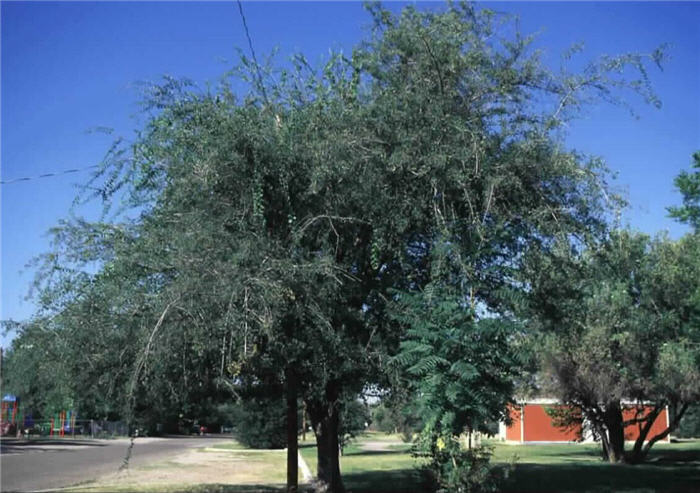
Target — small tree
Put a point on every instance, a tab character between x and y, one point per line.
463	370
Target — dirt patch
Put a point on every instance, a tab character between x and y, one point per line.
197	467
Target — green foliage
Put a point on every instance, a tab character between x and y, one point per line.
354	418
623	326
690	424
454	468
462	368
689	186
398	415
260	423
34	369
270	233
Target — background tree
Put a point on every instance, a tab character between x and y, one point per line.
397	412
622	329
689	186
30	369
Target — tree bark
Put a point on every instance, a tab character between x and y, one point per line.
635	456
672	426
325	419
292	437
303	422
615	431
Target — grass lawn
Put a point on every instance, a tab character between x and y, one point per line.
572	468
577	468
389	468
379	463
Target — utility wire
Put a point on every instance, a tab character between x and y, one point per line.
252	51
76	170
47	175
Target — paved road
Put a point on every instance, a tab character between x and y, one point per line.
39	465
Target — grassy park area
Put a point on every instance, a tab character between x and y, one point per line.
578	468
374	463
378	463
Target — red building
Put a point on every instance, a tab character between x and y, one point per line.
531	423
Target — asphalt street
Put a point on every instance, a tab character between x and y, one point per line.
43	465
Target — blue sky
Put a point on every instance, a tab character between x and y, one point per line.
70	67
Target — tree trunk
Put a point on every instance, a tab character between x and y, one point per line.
615	432
303	422
292	437
635	456
325	419
640	454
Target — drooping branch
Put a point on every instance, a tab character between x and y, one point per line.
134	380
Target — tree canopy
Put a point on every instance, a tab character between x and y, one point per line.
688	183
623	333
277	235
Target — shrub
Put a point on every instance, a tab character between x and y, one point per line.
455	469
260	422
690	424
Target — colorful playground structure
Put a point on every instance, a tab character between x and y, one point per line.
10	414
62	422
14	421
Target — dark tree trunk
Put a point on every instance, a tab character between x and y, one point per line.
640	454
635	456
615	432
292	437
325	419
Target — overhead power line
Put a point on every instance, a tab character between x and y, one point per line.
76	170
252	51
47	175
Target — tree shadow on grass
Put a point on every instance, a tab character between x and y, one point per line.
230	488
674	457
602	478
409	480
374	452
573	450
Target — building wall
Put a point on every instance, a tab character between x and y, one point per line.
660	424
531	423
539	426
513	432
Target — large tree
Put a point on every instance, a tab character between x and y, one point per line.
274	231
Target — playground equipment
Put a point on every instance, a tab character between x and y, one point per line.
62	422
9	414
14	420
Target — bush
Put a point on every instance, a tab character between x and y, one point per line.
260	422
354	415
690	423
454	469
